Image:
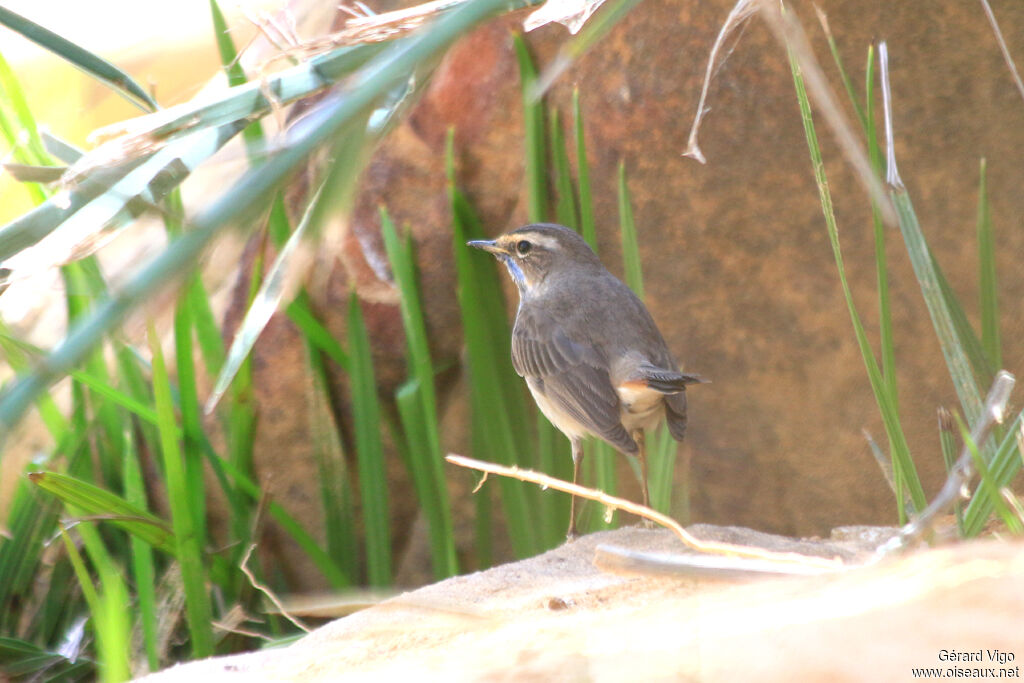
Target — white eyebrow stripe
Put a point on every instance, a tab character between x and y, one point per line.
539	239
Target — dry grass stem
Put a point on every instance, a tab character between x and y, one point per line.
711	547
892	172
244	566
1003	48
374	28
743	10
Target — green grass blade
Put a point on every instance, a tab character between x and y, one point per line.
95	66
969	340
198	613
533	135
947	443
630	249
409	401
226	47
14	352
30	523
904	471
336	497
373	484
565	207
89	592
990	340
22	660
600	470
188	392
94	501
924	268
887	345
110	616
262	306
663	452
847	83
988	485
1002	468
495	408
588	224
59	148
300	312
143	569
428	450
19	129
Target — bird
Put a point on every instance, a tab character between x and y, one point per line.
589	350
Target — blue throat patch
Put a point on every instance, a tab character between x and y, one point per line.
516	272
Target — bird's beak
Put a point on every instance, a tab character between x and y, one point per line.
486	245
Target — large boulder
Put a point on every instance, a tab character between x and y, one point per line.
738	269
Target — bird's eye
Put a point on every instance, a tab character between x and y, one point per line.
523	247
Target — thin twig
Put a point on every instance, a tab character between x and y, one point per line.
244	566
1003	48
743	10
962	472
712	547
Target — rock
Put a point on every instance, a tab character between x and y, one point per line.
556	617
739	273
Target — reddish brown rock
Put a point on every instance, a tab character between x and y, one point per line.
738	269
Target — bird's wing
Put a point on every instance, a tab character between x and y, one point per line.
572	375
675	414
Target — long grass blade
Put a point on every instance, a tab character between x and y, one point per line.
199	613
496	409
373	482
1002	468
94	501
263	306
533	135
95	66
565	206
627	226
143	567
588	223
904	471
421	401
990	339
988	485
924	268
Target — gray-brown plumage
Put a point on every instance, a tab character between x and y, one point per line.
587	347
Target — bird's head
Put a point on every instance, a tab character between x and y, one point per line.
536	252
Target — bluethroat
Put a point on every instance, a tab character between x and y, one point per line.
587	347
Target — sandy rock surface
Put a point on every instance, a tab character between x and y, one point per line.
557	617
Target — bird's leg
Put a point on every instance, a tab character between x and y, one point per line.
577	456
641	442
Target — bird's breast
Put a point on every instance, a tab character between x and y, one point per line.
562	421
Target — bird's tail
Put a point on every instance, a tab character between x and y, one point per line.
668	381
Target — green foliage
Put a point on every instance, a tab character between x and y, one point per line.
124	548
971	361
